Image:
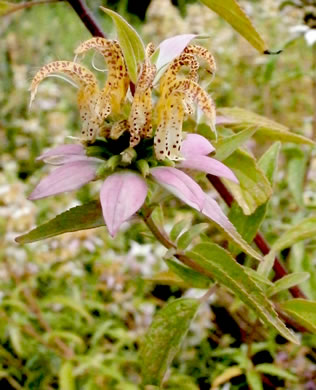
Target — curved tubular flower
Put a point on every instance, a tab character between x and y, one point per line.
95	105
177	96
171	112
88	93
115	89
140	118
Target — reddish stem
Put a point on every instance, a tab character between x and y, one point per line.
86	17
259	240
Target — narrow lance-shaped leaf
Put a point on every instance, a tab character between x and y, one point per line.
240	119
231	11
248	225
254	380
188	275
66	377
213	211
177	229
226	376
254	188
266	265
296	173
224	269
269	162
131	43
86	216
187	237
271	369
301	231
303	311
163	339
287	282
227	145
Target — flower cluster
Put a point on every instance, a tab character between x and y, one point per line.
133	133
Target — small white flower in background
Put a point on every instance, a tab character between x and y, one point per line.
309	33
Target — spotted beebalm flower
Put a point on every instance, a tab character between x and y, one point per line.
102	110
95	104
126	136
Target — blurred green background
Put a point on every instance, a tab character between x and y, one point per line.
73	309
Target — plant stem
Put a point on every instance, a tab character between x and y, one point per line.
259	239
29	4
86	17
164	240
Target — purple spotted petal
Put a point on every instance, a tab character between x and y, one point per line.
180	185
122	194
172	47
194	145
66	178
208	165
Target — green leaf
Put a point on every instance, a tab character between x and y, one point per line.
254	188
231	11
296	173
265	127
302	261
271	369
131	43
86	216
287	282
303	230
303	311
177	229
187	237
266	265
226	376
224	269
269	161
169	278
258	278
72	304
254	380
157	215
248	225
163	339
227	145
66	377
191	277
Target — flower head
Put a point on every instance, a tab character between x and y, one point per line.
125	137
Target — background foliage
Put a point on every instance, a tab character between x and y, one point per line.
74	308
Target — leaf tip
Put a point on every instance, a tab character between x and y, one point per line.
268	52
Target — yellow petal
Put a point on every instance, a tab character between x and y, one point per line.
140	118
150	48
118	129
193	92
167	141
117	79
202	52
78	73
